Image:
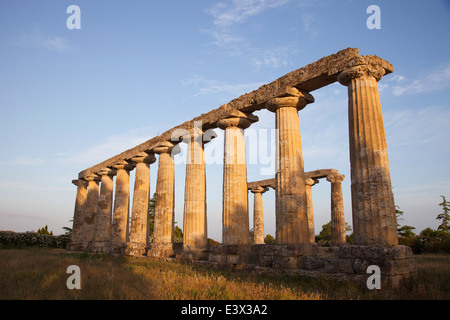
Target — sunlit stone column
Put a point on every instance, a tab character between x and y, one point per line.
165	200
139	213
195	217
104	211
258	214
337	210
235	219
90	212
119	227
373	206
309	208
291	203
80	203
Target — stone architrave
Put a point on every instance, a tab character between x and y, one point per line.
258	214
163	231
235	218
309	208
90	212
138	239
195	236
373	207
80	204
104	211
119	227
338	235
291	202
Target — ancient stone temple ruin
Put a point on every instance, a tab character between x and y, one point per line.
108	223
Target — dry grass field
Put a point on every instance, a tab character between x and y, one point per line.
37	274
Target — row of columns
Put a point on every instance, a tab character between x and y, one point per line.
338	231
372	199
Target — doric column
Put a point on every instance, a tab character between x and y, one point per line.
258	214
90	211
195	236
139	213
80	204
119	228
291	204
165	199
309	208
235	224
373	206
104	211
337	210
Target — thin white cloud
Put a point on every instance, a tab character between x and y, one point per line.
229	39
48	42
209	86
24	161
227	14
435	80
110	147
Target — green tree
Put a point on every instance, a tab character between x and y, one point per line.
44	230
151	215
269	239
444	216
403	231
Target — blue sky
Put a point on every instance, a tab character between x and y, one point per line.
70	99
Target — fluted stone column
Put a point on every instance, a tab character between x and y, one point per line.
195	218
373	206
139	213
309	208
165	201
258	214
291	203
104	211
120	224
338	235
90	212
235	219
80	204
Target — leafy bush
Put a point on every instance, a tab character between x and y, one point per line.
428	241
33	239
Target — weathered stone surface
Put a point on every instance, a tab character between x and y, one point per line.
235	221
195	214
119	227
373	207
80	203
338	233
309	78
258	215
139	214
291	202
165	198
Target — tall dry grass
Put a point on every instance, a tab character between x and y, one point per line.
41	274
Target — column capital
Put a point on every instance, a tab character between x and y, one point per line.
144	157
291	97
167	147
197	134
335	178
107	171
311	182
236	118
259	189
359	71
92	177
123	164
